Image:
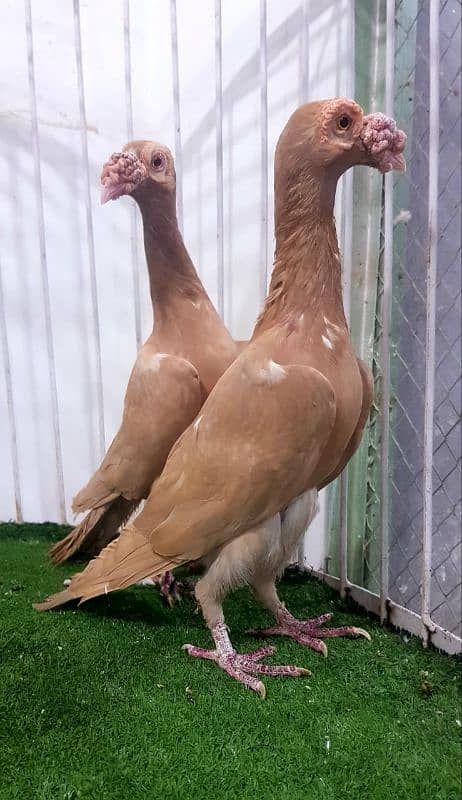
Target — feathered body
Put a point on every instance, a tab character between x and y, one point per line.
284	418
176	368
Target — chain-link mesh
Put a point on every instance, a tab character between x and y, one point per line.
409	325
446	598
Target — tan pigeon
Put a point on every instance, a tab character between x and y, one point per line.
281	422
187	351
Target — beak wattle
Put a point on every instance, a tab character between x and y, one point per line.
384	143
121	174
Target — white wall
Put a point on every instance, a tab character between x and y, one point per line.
320	30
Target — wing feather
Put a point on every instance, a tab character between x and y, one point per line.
252	450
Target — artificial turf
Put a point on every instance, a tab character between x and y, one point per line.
101	703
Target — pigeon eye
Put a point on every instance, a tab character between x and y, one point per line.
157	161
344	122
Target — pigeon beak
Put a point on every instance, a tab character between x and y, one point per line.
394	161
111	191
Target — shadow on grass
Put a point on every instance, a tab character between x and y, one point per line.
304	595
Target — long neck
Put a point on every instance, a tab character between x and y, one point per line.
306	277
172	276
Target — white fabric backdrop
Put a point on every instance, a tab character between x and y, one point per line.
320	31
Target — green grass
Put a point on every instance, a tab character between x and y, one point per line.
101	703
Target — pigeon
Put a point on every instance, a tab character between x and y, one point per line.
282	421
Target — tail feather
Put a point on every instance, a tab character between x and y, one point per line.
75	539
128	559
99	527
54	600
94	494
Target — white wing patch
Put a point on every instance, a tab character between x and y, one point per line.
332	334
152	362
276	372
268	372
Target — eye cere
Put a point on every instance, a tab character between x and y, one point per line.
157	161
344	122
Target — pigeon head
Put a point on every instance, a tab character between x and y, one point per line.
140	164
330	136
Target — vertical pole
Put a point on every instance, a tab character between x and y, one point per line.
89	222
343	524
10	404
304	91
44	265
432	266
349	175
264	151
386	324
369	248
176	113
133	217
219	156
304	54
347	272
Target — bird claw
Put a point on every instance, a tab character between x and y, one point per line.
170	590
309	632
356	632
240	666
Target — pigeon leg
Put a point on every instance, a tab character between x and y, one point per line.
308	632
241	666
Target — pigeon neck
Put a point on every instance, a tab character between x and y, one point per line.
172	276
306	278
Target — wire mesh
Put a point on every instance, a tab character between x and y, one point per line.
408	356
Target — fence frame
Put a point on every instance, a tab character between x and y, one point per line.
420	624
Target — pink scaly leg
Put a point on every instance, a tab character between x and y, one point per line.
307	632
171	590
237	665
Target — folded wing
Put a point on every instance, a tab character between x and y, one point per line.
253	448
163	396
